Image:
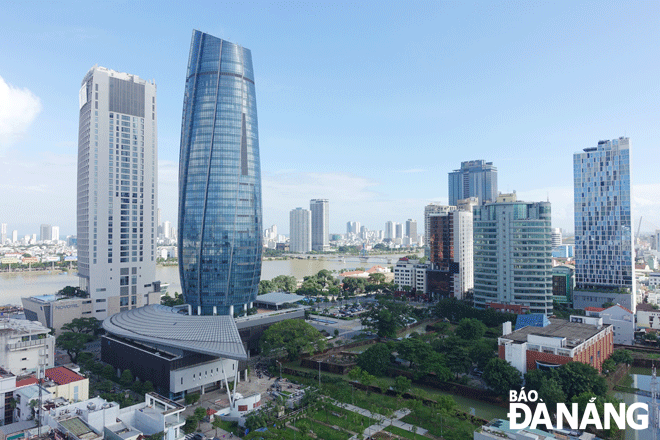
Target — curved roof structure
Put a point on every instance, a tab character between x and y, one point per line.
156	324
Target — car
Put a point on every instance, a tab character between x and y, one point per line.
199	436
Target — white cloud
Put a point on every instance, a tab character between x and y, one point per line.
18	108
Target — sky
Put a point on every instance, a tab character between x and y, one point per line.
367	104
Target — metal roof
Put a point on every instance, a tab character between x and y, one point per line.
156	324
278	298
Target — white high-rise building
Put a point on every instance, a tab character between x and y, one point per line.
320	209
46	233
167	229
398	231
300	231
411	230
3	233
352	228
389	230
117	191
55	233
556	237
451	253
604	263
513	254
14	236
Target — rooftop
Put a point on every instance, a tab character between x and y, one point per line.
63	376
574	332
212	335
278	298
79	428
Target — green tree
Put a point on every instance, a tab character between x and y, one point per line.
168	301
577	378
376	278
608	366
470	329
622	356
551	393
482	351
459	360
73	343
83	325
401	385
375	359
192	398
199	414
147	387
109	372
293	336
126	378
501	376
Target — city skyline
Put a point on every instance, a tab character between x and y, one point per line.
547	70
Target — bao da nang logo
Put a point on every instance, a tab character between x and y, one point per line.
521	416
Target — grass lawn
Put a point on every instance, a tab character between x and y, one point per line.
403	433
348	419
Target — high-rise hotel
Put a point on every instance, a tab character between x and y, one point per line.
604	265
117	191
219	236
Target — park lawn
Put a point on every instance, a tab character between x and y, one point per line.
451	428
279	434
327	433
351	421
403	433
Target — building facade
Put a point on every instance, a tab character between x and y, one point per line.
411	230
300	230
220	220
45	232
451	253
475	178
580	339
604	263
117	191
620	318
320	209
410	273
563	282
512	254
25	346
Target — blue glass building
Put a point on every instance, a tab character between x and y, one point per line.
219	237
604	262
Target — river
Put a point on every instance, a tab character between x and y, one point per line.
14	286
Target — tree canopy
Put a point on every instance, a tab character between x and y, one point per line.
73	343
375	359
293	336
501	376
470	329
83	325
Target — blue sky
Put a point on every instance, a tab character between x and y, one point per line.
367	104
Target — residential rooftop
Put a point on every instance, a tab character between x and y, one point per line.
574	332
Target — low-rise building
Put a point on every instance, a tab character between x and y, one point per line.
579	339
619	317
22	343
410	273
53	311
67	384
648	316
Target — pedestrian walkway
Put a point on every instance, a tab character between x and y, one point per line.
383	422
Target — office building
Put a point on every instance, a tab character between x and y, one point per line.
512	254
450	253
411	230
55	233
167	230
14	236
389	230
117	191
604	264
411	273
300	230
3	233
563	282
220	221
46	233
320	209
619	317
352	228
556	237
398	230
656	240
475	178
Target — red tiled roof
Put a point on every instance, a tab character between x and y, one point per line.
26	381
593	309
62	375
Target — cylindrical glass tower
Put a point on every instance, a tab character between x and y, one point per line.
219	236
